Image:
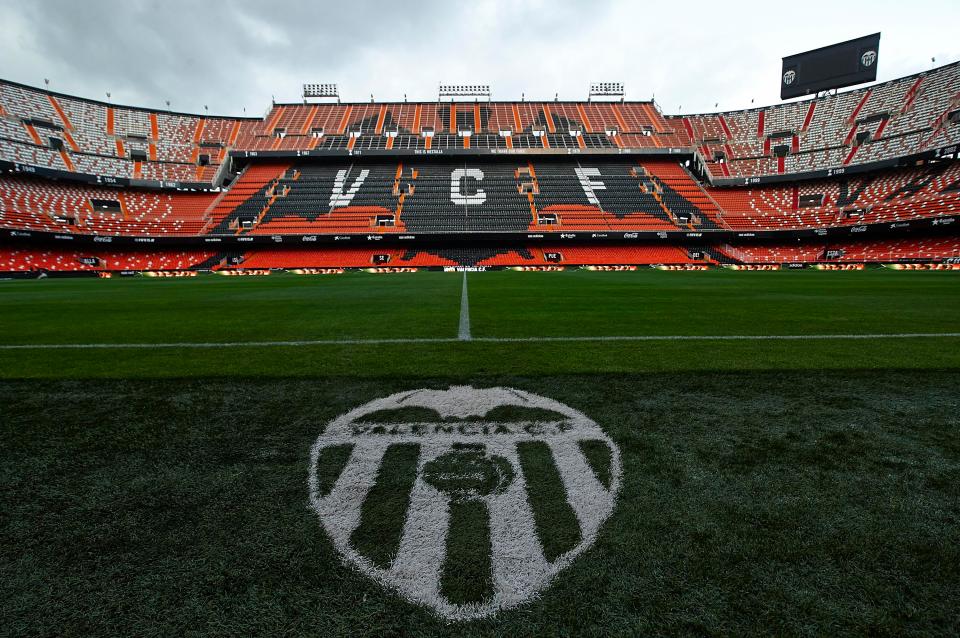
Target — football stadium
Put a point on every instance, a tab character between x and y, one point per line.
472	361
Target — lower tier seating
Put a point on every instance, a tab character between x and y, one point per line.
933	249
52	260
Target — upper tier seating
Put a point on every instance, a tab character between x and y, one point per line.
882	122
100	139
895	119
395	126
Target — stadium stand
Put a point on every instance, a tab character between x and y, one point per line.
930	250
34	204
889	196
886	121
92	261
883	122
428	196
545	171
50	130
277	198
936	249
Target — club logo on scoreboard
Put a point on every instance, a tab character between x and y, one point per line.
467	501
789	77
868	58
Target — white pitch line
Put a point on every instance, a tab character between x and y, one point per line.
464	333
361	342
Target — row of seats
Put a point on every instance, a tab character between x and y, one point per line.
461	125
101	139
443	196
50	260
885	121
890	196
939	249
37	204
933	249
430	196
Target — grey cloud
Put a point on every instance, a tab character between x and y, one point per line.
231	54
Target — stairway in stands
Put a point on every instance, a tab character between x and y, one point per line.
252	184
675	176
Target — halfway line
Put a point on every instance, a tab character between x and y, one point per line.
464	333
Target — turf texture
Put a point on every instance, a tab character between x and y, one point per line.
782	503
361	306
769	487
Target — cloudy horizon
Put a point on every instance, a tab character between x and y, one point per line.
241	54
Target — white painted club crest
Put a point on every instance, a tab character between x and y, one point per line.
868	58
425	455
789	77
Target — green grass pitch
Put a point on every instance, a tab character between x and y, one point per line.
784	487
365	307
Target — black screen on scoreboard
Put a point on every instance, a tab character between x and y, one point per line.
832	67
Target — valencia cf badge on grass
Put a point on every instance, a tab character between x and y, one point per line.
467	501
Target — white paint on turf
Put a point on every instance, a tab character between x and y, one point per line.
520	570
464	332
427	340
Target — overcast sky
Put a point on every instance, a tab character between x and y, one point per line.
236	54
